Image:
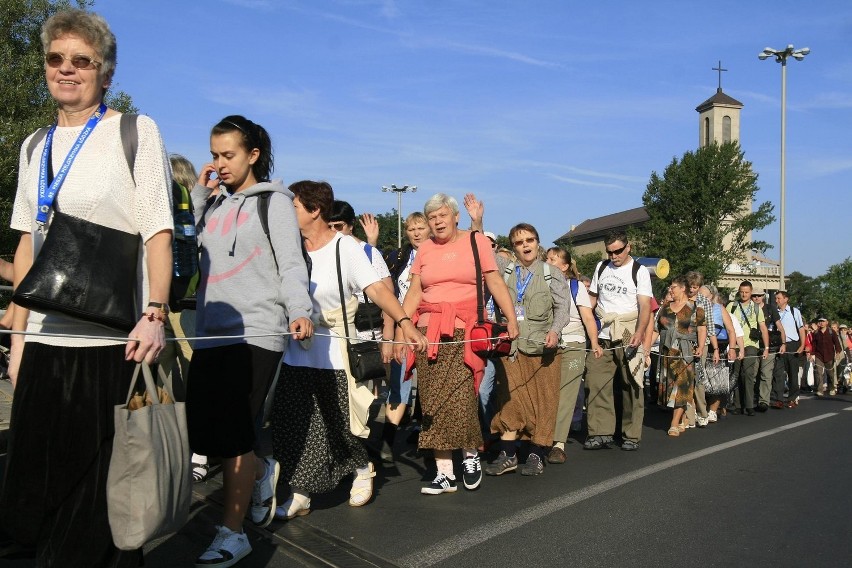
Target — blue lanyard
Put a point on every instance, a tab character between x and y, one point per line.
47	194
521	287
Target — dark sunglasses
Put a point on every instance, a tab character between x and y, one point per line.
83	62
528	240
615	252
757	295
337	225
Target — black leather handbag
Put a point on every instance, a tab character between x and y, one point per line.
86	271
365	358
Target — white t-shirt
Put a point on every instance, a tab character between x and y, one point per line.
575	332
738	329
403	283
356	274
616	291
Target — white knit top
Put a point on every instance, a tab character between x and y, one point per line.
99	188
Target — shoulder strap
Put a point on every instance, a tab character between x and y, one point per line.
507	272
129	140
547	276
340	288
635	271
604	263
575	287
480	302
368	248
34	141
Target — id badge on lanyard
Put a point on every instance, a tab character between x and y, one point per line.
521	288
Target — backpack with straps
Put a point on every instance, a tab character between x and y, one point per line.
634	270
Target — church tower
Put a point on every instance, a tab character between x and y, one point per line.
719	117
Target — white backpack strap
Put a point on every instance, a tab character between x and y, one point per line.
507	272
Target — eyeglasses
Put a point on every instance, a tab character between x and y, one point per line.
337	225
79	61
528	240
493	245
757	295
615	252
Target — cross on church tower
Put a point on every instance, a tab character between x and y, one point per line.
719	69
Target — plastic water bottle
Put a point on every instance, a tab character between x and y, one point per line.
185	245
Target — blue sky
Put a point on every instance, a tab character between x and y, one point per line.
551	112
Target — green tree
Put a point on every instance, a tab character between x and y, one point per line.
696	204
836	292
805	294
388	224
586	262
27	104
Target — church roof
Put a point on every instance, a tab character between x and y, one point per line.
594	228
719	99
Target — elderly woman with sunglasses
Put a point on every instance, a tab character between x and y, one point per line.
528	387
442	300
54	494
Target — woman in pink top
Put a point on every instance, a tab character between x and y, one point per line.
442	300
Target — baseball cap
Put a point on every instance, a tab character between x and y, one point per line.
822	318
490	235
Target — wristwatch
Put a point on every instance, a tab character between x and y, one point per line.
160	306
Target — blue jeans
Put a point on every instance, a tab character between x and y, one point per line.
486	399
400	389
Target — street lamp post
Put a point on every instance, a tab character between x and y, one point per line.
781	57
399	191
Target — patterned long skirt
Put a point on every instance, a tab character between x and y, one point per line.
448	399
311	438
680	377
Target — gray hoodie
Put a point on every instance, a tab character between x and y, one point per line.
240	291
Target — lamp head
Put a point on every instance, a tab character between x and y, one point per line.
762	56
805	50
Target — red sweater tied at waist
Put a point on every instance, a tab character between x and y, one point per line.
442	324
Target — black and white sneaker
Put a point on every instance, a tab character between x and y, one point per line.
472	475
441	484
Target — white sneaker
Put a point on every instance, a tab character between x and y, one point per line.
701	422
227	548
711	417
262	508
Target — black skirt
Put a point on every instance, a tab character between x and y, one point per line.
60	444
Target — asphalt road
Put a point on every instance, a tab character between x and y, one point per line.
764	490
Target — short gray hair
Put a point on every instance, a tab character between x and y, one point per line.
439	200
92	28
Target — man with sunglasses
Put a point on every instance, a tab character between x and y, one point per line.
753	323
624	307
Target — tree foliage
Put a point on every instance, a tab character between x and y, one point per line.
27	104
699	200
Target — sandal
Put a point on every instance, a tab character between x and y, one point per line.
362	487
296	506
200	471
674	431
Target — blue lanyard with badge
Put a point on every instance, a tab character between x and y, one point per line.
47	193
521	288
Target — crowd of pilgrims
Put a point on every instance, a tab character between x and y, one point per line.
283	293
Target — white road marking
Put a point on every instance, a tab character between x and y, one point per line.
465	541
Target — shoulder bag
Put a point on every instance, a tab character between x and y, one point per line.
365	358
149	481
487	338
83	269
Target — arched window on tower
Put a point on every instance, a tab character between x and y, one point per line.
706	131
726	128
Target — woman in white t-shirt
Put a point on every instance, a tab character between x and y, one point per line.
319	411
581	326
